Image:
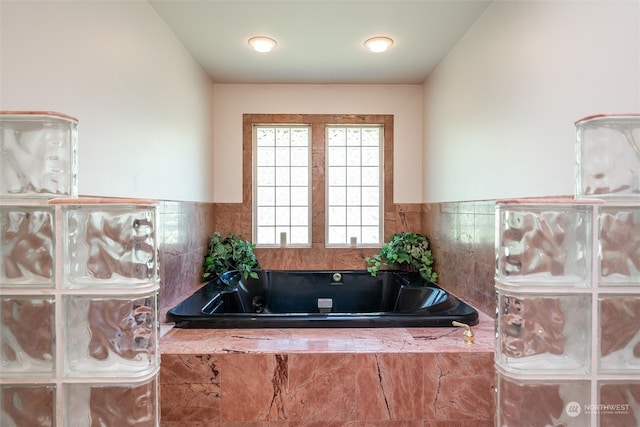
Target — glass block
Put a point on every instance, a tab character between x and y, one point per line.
27	405
109	245
27	336
112	404
544	243
27	250
619	239
608	156
110	336
619	333
542	402
543	333
38	154
618	403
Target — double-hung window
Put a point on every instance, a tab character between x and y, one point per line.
343	166
354	185
282	184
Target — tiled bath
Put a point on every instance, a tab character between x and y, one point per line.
327	377
422	377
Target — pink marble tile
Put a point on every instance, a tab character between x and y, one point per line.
181	369
190	403
389	386
404	423
458	386
323	424
189	388
254	387
321	340
459	423
321	387
451	339
165	423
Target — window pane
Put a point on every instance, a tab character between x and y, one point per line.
299	156
282	196
370	196
370	156
336	156
337	235
266	235
266	176
282	215
299	236
282	137
282	229
266	136
266	196
370	235
282	176
299	216
336	136
353	156
265	156
353	191
354	232
337	176
353	176
353	215
353	196
299	176
299	196
370	216
337	216
267	215
371	176
337	196
281	185
282	156
300	137
371	137
353	136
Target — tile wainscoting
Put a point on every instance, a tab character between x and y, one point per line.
413	377
420	377
461	235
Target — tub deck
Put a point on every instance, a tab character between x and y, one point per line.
420	377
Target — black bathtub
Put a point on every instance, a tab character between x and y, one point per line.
320	299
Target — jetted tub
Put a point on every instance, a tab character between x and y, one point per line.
320	299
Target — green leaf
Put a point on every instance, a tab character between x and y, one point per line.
408	249
229	253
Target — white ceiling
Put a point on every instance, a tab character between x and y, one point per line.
319	41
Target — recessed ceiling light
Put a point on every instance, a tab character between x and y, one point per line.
262	44
378	44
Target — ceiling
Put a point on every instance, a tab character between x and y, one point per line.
319	42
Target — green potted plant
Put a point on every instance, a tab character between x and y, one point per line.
405	250
229	253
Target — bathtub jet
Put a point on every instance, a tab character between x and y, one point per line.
321	299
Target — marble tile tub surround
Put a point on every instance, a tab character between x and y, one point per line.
419	377
461	234
423	377
183	239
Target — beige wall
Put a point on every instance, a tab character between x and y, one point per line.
140	97
231	101
494	120
499	110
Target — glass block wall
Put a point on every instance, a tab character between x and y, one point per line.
79	333
568	293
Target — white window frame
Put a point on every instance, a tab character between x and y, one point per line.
381	171
254	209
